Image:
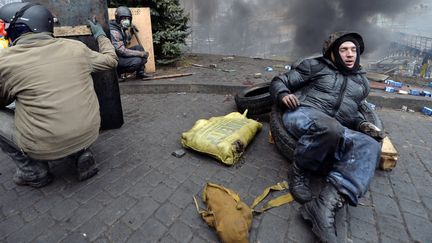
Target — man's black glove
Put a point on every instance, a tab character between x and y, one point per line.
372	130
96	29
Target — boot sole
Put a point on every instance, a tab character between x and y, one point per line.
309	218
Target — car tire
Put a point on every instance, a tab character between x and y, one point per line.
256	100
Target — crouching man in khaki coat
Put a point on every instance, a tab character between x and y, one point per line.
57	111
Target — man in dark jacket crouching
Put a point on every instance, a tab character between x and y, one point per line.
322	97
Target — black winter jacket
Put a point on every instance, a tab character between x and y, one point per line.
317	83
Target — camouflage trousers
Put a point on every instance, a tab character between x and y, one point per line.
27	168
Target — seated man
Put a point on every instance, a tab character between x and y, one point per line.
322	97
130	59
57	110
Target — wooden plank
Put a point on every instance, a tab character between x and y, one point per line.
67	31
389	155
141	19
388	163
388	148
168	76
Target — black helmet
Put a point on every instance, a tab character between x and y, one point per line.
35	16
122	11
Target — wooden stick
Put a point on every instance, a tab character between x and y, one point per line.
168	76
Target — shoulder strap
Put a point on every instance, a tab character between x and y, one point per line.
281	200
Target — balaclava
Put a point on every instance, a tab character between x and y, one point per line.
336	58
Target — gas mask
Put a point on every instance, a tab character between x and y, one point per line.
125	23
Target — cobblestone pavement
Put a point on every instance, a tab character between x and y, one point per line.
144	194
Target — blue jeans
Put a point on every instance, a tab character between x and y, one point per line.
322	139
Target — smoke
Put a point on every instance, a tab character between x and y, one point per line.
314	20
291	27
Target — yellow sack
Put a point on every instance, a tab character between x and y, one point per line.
231	217
224	138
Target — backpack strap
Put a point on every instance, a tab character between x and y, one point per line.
281	200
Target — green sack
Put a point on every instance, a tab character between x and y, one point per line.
224	138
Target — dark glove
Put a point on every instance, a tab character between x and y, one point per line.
372	130
145	54
134	29
96	29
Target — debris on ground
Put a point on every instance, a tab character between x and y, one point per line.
269	69
414	92
213	65
228	70
258	75
179	75
389	155
404	108
179	153
248	83
227	98
427	111
227	59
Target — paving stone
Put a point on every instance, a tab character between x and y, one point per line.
419	228
191	217
140	190
92	229
363	213
392	228
386	206
385	189
30	214
161	193
363	230
103	198
406	190
412	207
88	192
299	230
137	173
19	204
55	234
197	239
385	239
140	212
119	187
116	209
10	225
181	231
48	202
168	213
76	237
168	239
32	230
118	232
58	212
178	197
82	214
154	177
183	172
272	229
151	231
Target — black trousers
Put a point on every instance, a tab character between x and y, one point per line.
132	64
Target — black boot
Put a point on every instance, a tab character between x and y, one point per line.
321	213
86	166
298	181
